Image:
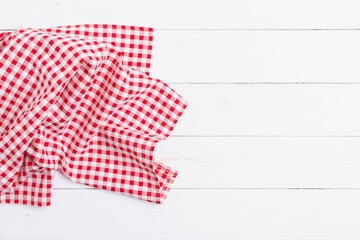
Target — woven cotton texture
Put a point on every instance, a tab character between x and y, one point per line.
79	100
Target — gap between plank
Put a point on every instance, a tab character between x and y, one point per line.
258	29
240	29
226	188
265	136
263	83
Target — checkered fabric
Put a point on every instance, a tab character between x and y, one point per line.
79	100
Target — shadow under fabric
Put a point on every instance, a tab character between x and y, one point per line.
79	100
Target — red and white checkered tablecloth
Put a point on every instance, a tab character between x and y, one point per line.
79	100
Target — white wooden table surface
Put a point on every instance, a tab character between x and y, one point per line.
269	147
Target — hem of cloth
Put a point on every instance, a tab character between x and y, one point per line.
169	182
170	177
169	172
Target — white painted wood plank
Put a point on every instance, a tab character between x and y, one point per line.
263	162
256	56
270	110
249	162
189	214
229	14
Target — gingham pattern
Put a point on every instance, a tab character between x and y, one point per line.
79	100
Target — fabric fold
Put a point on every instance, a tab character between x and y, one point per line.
79	100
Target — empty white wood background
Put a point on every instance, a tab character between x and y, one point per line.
269	147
